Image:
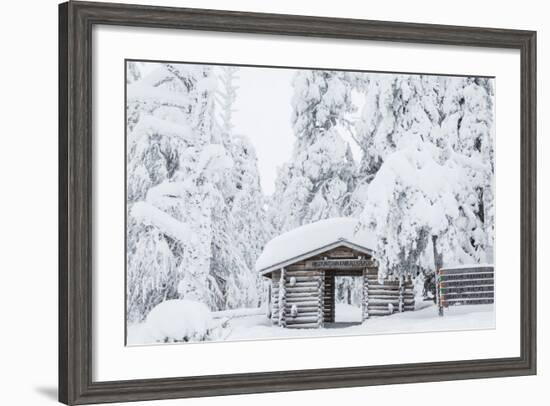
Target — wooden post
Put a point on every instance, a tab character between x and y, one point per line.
282	299
365	307
321	298
269	305
438	262
401	294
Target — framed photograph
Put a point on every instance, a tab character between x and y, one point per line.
258	202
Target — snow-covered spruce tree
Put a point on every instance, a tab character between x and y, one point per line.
133	72
225	96
317	181
250	216
411	198
151	267
467	130
161	126
174	171
133	105
393	106
241	230
427	169
464	135
195	201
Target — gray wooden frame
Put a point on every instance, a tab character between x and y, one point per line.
76	20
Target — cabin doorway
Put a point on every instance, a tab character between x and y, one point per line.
343	301
348	298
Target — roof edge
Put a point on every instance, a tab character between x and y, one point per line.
309	254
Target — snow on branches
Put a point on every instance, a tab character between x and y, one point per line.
316	183
428	169
193	192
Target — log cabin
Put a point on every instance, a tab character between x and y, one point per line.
302	264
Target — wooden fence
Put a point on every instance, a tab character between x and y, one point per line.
466	285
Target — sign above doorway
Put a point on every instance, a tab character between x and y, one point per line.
342	263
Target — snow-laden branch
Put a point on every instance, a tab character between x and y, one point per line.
154	96
151	125
150	215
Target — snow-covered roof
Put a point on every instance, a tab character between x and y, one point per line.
312	239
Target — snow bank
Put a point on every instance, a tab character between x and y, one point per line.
179	320
310	237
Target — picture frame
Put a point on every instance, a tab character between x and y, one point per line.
76	257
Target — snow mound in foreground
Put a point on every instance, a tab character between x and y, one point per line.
310	237
180	320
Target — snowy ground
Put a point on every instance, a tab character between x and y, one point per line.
250	325
456	318
347	313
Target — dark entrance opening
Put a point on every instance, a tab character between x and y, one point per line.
343	298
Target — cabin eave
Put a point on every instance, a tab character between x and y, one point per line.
340	243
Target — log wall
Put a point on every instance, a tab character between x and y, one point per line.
386	297
275	277
304	292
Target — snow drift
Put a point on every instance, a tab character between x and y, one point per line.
180	320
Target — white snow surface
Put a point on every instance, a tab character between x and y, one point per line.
346	313
457	318
424	319
310	237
